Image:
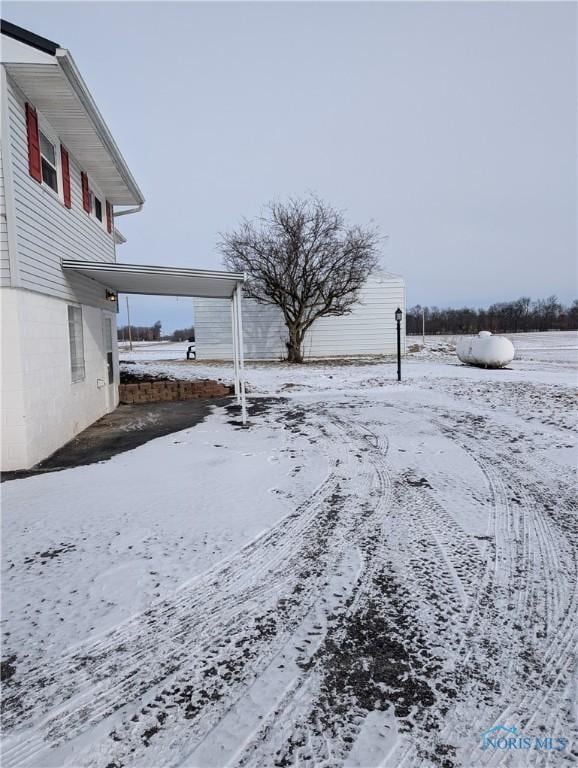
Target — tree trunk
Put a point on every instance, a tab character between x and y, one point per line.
294	351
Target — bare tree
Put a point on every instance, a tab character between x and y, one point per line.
303	258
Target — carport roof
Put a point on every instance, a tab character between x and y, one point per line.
158	280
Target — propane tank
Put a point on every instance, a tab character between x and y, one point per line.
485	350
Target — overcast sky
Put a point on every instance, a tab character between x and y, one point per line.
450	125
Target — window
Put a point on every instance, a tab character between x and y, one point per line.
92	200
97	208
76	343
48	161
108	342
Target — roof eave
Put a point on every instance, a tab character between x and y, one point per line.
70	71
119	238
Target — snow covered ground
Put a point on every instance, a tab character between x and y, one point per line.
373	574
154	350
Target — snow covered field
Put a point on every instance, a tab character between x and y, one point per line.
373	574
154	350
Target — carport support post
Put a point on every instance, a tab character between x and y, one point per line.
235	344
241	354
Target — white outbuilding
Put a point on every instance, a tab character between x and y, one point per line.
369	329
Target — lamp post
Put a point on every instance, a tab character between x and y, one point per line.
398	315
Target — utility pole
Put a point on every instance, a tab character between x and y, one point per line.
129	330
423	326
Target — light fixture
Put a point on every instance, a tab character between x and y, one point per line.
398	315
110	296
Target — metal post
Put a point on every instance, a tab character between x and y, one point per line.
398	316
423	327
129	330
235	345
399	350
239	292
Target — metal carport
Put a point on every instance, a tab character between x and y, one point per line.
176	281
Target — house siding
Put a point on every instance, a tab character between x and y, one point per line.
264	331
369	329
4	255
46	230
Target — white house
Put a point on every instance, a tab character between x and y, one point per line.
61	179
369	329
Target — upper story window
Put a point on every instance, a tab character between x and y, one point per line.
48	162
97	207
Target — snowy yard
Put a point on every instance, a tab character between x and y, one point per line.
373	574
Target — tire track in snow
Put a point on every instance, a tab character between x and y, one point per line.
286	735
220	695
361	507
131	652
519	525
85	710
562	634
405	537
301	740
529	695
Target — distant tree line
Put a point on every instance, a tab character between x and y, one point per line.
183	334
504	317
153	333
140	332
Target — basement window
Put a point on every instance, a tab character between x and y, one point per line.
76	338
48	161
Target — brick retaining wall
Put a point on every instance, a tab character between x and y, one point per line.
157	391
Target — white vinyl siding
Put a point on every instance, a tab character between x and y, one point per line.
76	338
47	231
4	256
369	329
264	331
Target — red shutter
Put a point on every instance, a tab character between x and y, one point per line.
65	177
34	163
108	217
85	192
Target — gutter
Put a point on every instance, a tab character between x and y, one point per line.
116	214
70	71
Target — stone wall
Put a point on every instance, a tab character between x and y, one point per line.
164	390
